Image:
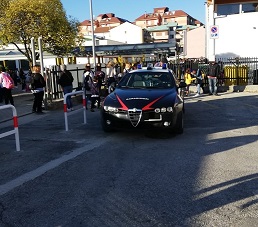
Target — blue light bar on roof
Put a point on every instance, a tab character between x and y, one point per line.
139	66
164	66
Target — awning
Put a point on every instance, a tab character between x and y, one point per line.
127	49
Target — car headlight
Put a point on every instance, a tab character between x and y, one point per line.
170	109
111	109
157	110
163	110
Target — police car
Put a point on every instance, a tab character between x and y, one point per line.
145	98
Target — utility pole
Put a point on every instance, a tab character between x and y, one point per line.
93	36
33	51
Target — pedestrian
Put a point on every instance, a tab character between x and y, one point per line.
94	94
28	80
197	74
213	74
87	78
1	93
13	74
109	73
22	77
128	68
6	84
37	88
66	83
158	64
188	80
100	76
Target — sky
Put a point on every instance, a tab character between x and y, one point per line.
131	9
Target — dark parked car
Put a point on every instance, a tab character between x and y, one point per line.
145	98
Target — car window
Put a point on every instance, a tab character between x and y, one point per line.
148	79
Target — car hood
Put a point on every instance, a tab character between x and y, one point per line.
145	99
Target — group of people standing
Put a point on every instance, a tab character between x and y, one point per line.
37	84
91	83
197	76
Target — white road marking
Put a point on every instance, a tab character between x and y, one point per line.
4	188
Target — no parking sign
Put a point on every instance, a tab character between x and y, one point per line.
214	32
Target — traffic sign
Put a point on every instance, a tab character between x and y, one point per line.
214	32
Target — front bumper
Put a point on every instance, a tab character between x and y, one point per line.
139	119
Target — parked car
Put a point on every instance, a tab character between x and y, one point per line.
145	98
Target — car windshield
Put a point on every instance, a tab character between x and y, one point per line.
147	79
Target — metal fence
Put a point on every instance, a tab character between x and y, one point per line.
234	71
53	90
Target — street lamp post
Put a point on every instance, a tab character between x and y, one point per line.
93	36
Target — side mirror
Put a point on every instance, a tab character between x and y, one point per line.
111	88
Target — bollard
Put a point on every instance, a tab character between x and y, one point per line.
15	125
70	113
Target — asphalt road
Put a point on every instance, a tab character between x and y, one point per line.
207	176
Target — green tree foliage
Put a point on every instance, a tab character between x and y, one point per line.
20	20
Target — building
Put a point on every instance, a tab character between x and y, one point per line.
161	26
123	33
194	43
14	59
163	15
231	28
163	33
102	24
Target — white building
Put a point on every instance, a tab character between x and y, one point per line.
231	28
127	33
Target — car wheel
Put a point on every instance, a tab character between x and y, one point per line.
106	127
180	123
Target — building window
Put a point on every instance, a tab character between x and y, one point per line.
171	36
249	7
227	9
230	9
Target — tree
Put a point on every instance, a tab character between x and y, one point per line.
20	20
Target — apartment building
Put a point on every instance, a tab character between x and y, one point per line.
109	29
102	24
232	28
162	16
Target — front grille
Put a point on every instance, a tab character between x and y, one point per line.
134	116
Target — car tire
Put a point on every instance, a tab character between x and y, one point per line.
179	129
106	127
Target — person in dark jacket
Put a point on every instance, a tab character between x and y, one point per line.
213	74
37	88
66	82
197	74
